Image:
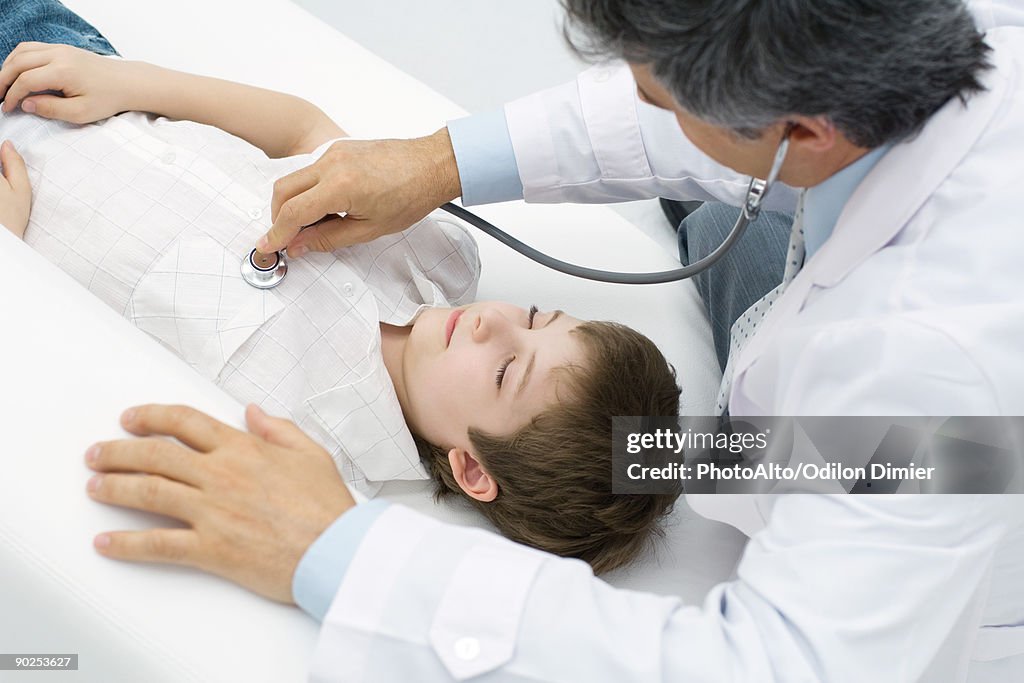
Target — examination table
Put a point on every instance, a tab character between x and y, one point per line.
71	365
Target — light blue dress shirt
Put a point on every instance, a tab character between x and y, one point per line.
487	162
489	173
824	203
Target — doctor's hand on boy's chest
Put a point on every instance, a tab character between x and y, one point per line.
15	191
254	501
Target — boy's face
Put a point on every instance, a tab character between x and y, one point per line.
487	366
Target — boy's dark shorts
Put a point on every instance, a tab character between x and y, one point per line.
47	21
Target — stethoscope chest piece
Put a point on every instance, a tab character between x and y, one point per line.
264	271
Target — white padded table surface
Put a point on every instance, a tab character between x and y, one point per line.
72	365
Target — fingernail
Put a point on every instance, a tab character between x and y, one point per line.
102	541
261	245
298	251
127	416
94	483
28	106
92	453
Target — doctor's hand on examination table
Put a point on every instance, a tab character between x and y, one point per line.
254	501
381	187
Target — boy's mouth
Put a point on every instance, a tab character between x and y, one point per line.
449	327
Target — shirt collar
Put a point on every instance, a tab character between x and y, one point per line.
365	420
434	263
824	203
364	417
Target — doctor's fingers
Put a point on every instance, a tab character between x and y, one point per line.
173	546
276	430
299	211
148	456
147	492
334	233
188	425
292	185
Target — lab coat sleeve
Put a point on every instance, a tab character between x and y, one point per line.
594	141
833	589
994	13
319	572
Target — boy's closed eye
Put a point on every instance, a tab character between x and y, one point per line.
505	365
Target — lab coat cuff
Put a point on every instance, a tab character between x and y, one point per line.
322	568
487	162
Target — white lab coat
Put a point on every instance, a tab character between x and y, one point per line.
914	306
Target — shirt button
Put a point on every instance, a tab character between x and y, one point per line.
255	213
603	75
467	649
347	289
169	156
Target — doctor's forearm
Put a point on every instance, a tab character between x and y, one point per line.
277	123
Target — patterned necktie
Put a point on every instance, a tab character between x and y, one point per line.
746	325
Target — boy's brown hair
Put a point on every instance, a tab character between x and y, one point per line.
554	475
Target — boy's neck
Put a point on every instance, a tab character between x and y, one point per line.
392	346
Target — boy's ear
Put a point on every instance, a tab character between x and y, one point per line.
471	476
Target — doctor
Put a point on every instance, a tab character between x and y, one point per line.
902	296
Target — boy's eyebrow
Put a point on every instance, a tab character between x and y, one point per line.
533	359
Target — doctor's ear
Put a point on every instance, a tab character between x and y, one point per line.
471	476
813	133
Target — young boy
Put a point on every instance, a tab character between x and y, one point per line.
509	407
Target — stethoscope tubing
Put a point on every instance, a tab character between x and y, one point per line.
595	274
756	193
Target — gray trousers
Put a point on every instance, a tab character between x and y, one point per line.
750	270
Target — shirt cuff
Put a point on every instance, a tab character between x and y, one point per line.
321	569
487	162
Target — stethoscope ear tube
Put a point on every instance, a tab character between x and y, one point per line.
596	274
756	193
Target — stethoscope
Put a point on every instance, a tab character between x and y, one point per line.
268	270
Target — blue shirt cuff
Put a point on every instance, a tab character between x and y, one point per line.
487	162
322	568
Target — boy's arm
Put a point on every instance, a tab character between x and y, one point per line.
277	123
96	87
15	191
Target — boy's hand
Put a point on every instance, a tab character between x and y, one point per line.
15	191
94	87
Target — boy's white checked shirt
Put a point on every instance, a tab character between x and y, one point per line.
154	217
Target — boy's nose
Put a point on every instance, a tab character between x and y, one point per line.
481	329
488	323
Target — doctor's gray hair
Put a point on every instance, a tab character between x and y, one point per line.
878	69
